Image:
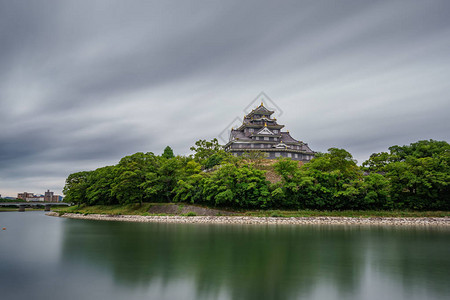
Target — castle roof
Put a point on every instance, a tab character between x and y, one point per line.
260	110
287	138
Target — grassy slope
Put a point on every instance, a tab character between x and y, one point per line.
127	209
136	209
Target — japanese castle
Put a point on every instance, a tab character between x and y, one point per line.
260	132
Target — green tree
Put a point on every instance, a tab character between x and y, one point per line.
329	181
233	186
168	153
131	175
76	186
188	189
418	174
209	153
160	183
100	189
420	183
377	162
375	190
286	168
214	160
336	160
420	149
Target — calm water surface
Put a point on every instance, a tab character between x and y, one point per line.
45	257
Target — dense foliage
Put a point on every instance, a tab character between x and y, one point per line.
418	175
408	177
11	200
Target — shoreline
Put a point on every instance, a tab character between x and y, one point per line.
244	220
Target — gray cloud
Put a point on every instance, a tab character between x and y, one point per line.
84	83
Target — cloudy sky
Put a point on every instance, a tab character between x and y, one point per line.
84	83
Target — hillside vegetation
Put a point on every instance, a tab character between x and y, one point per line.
412	177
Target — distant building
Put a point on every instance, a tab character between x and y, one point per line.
50	197
35	198
260	132
47	197
24	195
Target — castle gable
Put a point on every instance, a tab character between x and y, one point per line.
265	130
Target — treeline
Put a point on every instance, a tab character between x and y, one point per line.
11	200
414	177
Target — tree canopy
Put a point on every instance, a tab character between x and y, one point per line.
168	153
415	176
418	174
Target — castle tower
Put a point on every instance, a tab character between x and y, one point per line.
260	132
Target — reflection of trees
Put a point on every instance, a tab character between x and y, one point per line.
249	262
416	258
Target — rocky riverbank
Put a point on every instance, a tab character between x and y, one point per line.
262	220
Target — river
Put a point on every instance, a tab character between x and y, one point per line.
44	257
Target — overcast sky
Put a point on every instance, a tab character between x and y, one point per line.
84	83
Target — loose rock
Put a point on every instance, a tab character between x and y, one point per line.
263	220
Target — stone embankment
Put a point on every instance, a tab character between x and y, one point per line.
263	220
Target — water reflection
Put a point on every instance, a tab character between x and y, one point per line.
259	262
